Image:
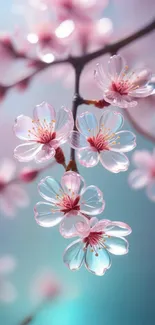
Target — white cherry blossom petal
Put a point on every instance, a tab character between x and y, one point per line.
116	65
44	112
88	157
98	261
22	126
138	179
72	183
74	255
87	124
91	201
116	245
27	151
125	141
115	162
47	215
73	225
77	140
112	121
50	189
64	124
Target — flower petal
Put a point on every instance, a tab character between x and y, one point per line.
44	112
50	189
77	140
22	126
143	159
116	65
117	228
151	191
74	225
141	77
100	225
115	162
138	179
87	124
142	92
88	157
101	77
74	255
97	264
46	153
116	245
92	201
72	183
115	99
125	141
7	169
46	215
64	124
27	151
111	120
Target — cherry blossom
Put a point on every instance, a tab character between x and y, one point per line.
78	10
102	141
12	195
67	203
144	174
7	290
45	286
96	241
43	134
120	87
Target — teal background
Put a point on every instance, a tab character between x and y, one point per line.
125	295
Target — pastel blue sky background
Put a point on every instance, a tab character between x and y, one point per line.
125	295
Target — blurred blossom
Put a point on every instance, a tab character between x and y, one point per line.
7	291
12	195
28	174
97	240
45	286
43	134
121	88
144	174
68	202
78	9
102	141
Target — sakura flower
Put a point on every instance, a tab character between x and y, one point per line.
120	87
96	241
7	290
12	195
78	9
102	141
45	286
43	134
67	203
144	174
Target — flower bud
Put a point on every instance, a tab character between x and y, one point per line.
59	156
28	175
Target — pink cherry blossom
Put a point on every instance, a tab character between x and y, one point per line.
12	195
45	286
43	134
144	174
67	203
78	9
7	290
120	87
102	141
93	248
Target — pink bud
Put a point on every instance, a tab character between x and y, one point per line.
27	175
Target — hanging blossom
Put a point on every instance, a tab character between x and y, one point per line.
96	241
102	141
120	87
144	174
43	134
67	203
12	195
7	290
77	10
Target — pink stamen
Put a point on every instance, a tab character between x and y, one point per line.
99	142
93	239
69	204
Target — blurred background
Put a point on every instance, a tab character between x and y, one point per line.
125	294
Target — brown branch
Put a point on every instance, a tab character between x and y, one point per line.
74	61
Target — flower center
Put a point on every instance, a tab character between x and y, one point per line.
43	131
100	142
68	204
122	87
